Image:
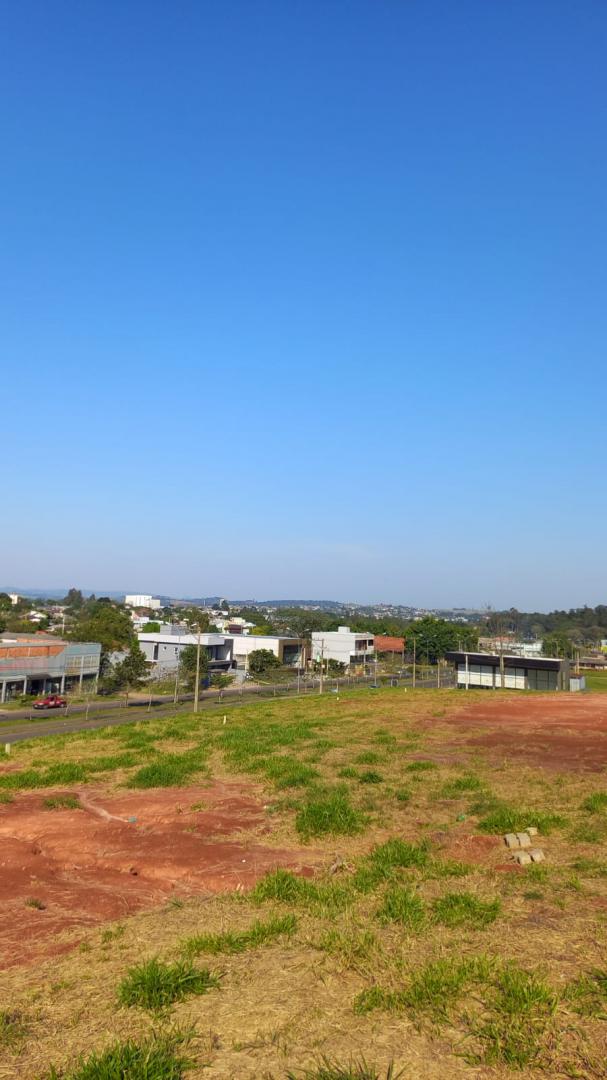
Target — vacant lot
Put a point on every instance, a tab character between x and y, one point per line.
312	879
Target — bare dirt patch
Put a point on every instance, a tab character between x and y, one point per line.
124	852
555	731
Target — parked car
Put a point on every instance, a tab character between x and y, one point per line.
52	701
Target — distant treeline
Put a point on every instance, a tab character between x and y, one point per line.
567	630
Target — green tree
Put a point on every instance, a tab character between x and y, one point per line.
187	663
109	624
74	599
261	660
557	644
150	628
434	637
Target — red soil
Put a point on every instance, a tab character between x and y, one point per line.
93	865
556	731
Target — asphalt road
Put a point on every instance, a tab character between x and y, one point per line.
16	726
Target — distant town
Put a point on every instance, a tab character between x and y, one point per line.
78	645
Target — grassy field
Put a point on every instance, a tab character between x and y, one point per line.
411	955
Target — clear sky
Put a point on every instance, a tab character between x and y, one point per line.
305	299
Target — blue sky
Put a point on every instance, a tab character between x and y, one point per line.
305	299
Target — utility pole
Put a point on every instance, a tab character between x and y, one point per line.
322	665
414	647
176	691
197	683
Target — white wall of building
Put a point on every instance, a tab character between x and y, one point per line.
142	600
343	645
163	650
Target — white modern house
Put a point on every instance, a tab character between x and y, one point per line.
144	600
343	645
289	650
163	650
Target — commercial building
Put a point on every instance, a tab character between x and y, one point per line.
142	600
343	645
163	650
289	650
498	672
40	664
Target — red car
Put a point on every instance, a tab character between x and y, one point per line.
53	701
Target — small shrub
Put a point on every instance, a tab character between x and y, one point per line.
464	909
34	902
154	984
402	905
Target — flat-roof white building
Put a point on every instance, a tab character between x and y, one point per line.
163	650
289	650
343	645
142	600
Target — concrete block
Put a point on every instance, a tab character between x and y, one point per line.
511	840
537	855
531	830
522	857
524	839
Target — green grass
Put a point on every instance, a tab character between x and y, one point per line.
169	770
354	1070
5	798
420	766
284	887
329	812
400	904
34	902
463	785
368	757
351	946
505	819
154	984
519	1006
348	772
595	804
382	862
589	867
286	772
464	909
516	1007
234	941
592	831
158	1058
62	802
370	777
53	776
13	1029
588	994
402	795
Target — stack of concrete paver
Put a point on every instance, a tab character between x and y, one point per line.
521	845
